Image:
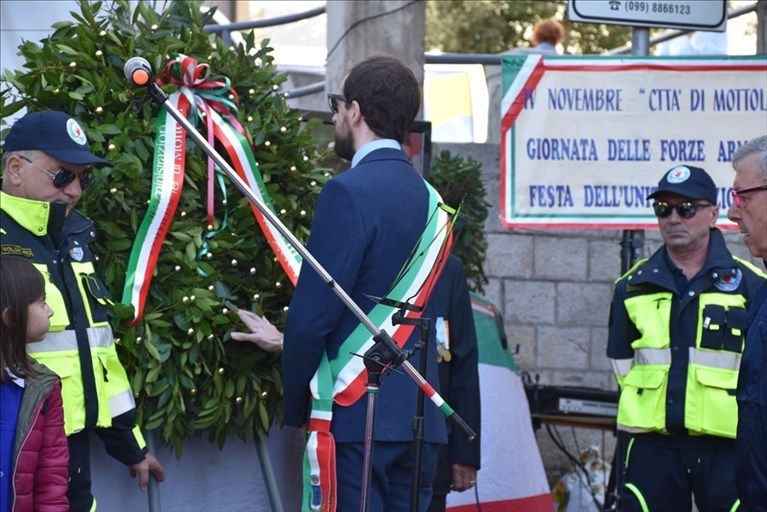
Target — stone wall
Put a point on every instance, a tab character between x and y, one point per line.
554	289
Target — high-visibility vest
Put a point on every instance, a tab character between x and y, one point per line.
80	346
712	362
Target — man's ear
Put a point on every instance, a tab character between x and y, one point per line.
714	216
355	113
12	171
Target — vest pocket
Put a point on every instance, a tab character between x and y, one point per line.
711	406
642	399
737	320
67	367
102	378
54	298
118	396
93	292
650	314
723	328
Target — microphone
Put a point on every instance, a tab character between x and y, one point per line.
138	71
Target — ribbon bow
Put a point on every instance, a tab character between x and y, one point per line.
215	102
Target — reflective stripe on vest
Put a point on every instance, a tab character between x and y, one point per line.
652	356
715	359
621	367
67	340
121	403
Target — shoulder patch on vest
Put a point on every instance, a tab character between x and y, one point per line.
729	282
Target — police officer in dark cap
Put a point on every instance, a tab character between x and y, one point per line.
45	170
676	335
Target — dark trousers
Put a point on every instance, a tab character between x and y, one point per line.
438	503
79	491
391	476
661	474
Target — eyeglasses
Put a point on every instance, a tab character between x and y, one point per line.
685	210
333	100
736	194
62	177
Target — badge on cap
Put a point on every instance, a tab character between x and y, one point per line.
678	174
75	132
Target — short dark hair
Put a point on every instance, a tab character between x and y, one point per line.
388	95
21	284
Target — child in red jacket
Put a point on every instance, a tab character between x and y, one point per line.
33	446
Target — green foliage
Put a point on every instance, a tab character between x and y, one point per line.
459	180
492	26
187	374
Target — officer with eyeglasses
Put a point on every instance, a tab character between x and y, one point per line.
45	169
676	334
749	212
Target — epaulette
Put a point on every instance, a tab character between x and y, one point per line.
632	269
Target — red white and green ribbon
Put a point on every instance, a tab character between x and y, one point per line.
167	181
241	158
214	101
343	380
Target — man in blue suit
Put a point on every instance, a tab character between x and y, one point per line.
366	223
458	356
749	211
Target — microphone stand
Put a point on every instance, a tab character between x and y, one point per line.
384	352
382	357
375	362
423	324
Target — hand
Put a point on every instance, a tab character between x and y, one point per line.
150	464
263	333
464	477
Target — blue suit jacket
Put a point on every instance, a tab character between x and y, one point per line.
751	442
365	225
458	378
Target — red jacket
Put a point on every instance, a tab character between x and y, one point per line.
40	455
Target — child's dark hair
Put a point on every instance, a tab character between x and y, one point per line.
21	284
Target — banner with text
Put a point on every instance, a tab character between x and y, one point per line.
584	140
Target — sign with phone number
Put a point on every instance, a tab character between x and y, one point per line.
680	14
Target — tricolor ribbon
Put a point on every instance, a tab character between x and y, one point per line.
215	102
343	380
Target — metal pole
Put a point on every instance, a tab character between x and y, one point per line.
373	386
640	46
631	242
419	420
153	492
640	41
268	472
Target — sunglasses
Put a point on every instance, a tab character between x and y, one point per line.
685	210
333	100
736	194
62	177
